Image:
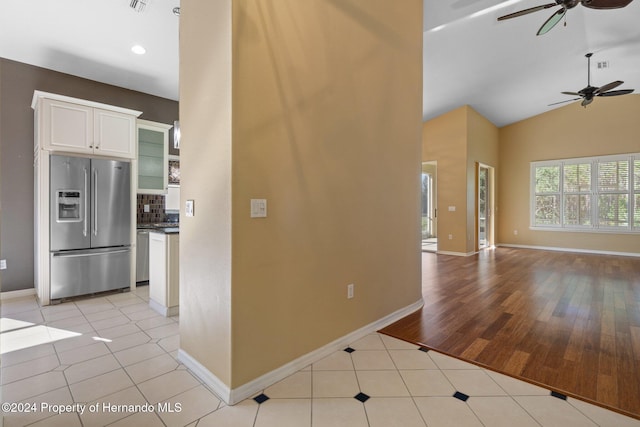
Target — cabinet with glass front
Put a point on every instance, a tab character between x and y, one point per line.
153	151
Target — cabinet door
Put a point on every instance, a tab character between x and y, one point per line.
158	268
114	134
153	150
67	127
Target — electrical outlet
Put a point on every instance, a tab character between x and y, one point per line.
350	291
3	264
515	232
450	236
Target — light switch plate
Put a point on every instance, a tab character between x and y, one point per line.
258	208
3	264
189	208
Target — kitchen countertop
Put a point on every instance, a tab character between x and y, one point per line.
160	227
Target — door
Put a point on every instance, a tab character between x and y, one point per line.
429	208
110	203
69	203
484	199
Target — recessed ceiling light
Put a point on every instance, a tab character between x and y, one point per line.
138	50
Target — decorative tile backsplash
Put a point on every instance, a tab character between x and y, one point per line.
156	208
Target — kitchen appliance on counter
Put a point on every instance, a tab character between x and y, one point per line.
90	225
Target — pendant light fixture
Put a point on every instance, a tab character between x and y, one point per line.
176	134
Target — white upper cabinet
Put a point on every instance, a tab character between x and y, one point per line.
114	134
153	151
77	126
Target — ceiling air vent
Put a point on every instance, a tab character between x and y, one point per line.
138	5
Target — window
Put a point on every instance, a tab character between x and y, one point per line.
588	194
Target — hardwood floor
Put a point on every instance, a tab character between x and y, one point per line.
568	321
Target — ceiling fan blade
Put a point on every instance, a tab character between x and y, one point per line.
608	87
571	93
616	92
563	102
551	22
606	4
526	11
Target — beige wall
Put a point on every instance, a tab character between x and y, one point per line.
607	126
482	148
323	120
205	177
444	139
457	140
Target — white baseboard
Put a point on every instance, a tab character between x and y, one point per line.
206	376
456	253
17	294
233	396
163	310
557	249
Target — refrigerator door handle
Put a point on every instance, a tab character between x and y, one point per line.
86	254
95	202
86	203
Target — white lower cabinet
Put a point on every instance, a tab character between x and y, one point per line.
164	274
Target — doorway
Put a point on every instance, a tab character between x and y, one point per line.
429	207
484	199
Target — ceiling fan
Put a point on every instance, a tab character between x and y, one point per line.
564	6
588	93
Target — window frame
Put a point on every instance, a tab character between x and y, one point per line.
632	192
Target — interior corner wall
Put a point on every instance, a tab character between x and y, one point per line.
444	139
326	120
482	147
458	140
607	126
205	178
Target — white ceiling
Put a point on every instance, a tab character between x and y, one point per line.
501	69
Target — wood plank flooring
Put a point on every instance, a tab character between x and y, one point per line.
568	321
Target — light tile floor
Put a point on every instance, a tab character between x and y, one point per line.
113	352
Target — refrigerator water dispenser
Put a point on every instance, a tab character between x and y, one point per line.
68	206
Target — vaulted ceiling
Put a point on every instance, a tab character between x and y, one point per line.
501	69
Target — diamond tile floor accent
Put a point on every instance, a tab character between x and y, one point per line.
113	353
361	397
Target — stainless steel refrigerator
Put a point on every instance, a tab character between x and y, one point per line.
90	225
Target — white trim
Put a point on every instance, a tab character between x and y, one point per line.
164	310
20	293
456	253
233	396
578	229
557	249
594	192
214	383
38	94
